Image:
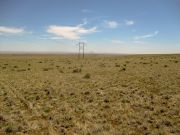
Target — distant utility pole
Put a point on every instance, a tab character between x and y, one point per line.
81	47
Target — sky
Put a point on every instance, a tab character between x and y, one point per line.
106	26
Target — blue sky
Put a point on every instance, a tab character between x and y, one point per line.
107	26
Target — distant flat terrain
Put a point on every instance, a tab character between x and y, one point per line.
98	95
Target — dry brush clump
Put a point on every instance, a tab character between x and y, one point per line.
77	70
87	76
47	69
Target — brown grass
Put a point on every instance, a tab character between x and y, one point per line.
110	95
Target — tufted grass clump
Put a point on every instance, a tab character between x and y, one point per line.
12	129
77	70
87	76
117	65
47	69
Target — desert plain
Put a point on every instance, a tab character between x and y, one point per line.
98	95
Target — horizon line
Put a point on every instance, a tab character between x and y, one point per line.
87	53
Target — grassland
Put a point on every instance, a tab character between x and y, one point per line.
100	95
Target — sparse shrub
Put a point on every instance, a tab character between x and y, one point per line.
86	93
106	106
124	85
157	126
20	70
37	97
40	62
162	110
102	65
9	129
166	97
46	110
2	119
50	118
167	123
71	94
87	76
12	129
15	66
61	71
106	100
125	101
67	118
165	66
123	69
47	92
77	70
90	100
62	131
117	65
47	69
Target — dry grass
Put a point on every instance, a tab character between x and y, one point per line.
110	95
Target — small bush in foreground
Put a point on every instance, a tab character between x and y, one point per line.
87	76
12	129
77	70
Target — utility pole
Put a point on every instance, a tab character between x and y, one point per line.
79	50
81	47
83	50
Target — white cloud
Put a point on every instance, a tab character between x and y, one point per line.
147	35
86	11
84	20
117	41
138	42
112	24
11	30
115	24
70	32
55	38
50	37
129	22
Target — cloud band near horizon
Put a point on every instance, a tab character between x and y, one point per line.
11	30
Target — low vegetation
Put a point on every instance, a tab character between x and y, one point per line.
100	95
87	76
